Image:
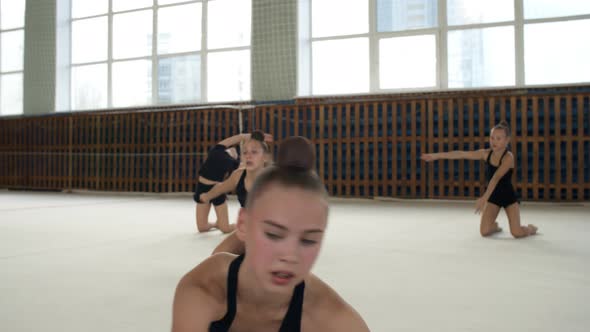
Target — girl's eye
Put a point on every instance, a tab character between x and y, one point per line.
272	236
308	242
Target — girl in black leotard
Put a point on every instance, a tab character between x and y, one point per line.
271	288
221	160
499	193
255	156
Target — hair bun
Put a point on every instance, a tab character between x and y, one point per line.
257	135
298	153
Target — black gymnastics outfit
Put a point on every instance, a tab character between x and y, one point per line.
217	165
292	320
504	194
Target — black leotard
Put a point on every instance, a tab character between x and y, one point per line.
504	194
241	190
292	320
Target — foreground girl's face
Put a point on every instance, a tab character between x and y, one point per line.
285	231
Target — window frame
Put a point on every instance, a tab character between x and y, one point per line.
441	32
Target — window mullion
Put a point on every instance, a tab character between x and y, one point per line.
373	48
110	57
154	58
442	49
204	50
519	42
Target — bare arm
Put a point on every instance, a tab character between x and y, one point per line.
348	319
195	306
223	187
236	139
331	313
471	155
191	309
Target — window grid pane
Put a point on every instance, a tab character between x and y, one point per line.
481	57
352	17
220	33
84	8
136	42
12	14
550	58
86	49
120	5
179	79
11	94
534	9
341	66
228	77
401	70
89	87
132	83
460	12
400	15
179	29
12	57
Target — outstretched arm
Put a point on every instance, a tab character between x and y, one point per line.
507	164
236	139
471	155
233	140
223	187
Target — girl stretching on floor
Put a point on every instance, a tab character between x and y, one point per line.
499	193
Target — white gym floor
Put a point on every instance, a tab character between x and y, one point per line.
98	262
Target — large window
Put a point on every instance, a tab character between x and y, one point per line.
146	52
12	22
373	46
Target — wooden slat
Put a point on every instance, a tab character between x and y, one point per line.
413	130
535	116
384	152
357	150
557	123
513	124
366	176
461	129
580	182
547	151
471	163
451	128
339	146
430	147
319	139
441	176
348	152
525	152
568	148
375	135
332	189
393	151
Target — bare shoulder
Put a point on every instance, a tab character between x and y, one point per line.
508	159
200	296
325	310
483	153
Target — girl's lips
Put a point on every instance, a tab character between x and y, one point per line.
281	278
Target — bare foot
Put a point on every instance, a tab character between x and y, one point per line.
532	229
498	229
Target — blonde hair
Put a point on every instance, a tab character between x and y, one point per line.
504	126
